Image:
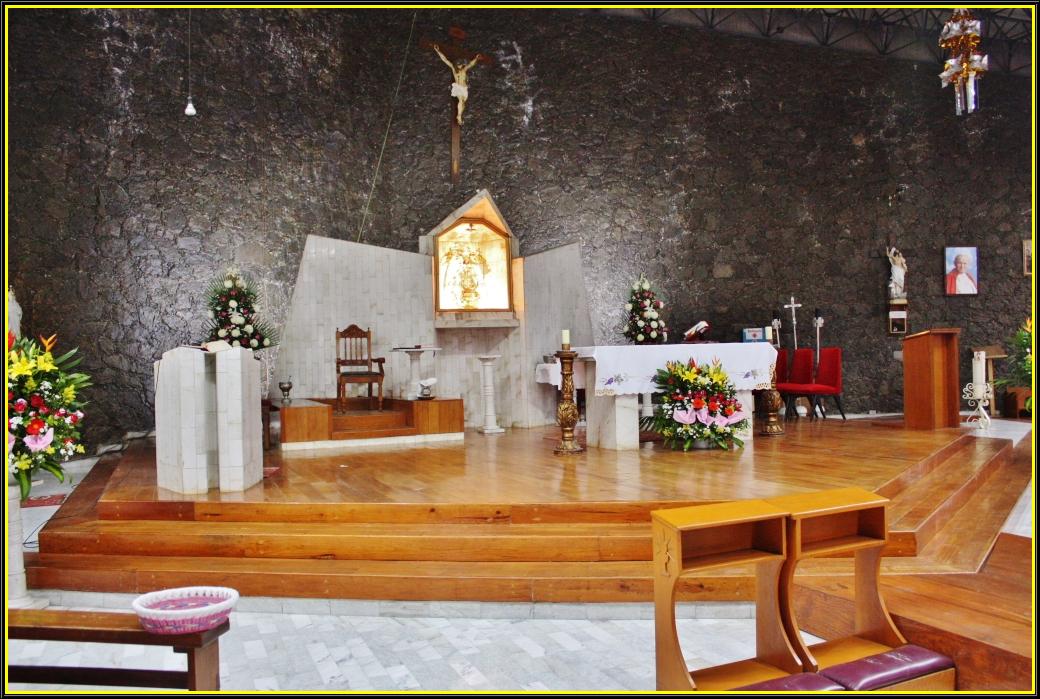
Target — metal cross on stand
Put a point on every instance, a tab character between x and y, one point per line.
460	60
794	319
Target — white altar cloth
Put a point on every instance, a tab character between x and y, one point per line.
619	373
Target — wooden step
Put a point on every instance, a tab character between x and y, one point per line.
372	512
366	420
922	508
403	542
602	581
377	433
922	468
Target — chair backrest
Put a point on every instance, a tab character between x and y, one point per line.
781	366
802	365
353	348
829	371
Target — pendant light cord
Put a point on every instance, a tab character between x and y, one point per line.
386	134
189	54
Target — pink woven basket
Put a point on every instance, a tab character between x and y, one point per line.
185	609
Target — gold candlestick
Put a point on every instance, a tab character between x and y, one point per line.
567	410
771	401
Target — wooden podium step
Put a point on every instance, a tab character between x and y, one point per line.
367	420
922	508
600	581
380	541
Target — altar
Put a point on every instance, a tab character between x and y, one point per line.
615	375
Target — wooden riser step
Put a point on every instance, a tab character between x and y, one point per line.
369	512
922	508
904	480
388	580
369	420
389	542
380	433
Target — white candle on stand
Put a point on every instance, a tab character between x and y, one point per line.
769	333
978	375
566	337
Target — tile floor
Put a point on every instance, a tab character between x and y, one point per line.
293	644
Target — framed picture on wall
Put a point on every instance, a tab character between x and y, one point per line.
962	271
1027	258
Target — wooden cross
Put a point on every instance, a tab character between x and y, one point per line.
794	319
455	53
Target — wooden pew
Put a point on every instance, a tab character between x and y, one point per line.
202	649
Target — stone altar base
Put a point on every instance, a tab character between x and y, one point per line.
207	420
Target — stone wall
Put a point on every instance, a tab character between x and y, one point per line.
734	172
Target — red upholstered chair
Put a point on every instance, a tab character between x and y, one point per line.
828	379
781	366
799	381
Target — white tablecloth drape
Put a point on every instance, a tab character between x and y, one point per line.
628	369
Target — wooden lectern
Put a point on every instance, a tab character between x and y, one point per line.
931	379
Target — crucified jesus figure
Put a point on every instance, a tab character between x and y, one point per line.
459	88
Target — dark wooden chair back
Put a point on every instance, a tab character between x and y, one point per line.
354	350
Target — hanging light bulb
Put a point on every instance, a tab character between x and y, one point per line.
190	109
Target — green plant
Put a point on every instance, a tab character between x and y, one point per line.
1020	361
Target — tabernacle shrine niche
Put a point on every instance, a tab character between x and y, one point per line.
472	269
477	276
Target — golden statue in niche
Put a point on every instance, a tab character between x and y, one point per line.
466	267
472	268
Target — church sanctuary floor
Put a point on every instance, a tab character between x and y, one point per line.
284	643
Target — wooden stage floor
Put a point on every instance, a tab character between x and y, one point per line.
519	467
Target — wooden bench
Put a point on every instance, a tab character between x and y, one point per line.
202	649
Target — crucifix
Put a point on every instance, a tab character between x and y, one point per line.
794	319
459	60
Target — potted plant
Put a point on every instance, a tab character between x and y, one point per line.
698	408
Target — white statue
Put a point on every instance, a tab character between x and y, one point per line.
897	284
14	314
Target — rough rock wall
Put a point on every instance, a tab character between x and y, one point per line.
733	172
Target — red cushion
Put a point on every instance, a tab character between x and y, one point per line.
820	389
799	388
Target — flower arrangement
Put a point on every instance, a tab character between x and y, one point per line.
43	409
697	403
232	313
645	326
1020	360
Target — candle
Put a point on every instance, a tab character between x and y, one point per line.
978	375
776	315
816	313
769	333
566	338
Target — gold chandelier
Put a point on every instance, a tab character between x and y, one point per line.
965	66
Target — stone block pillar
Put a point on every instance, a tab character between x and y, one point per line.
239	427
208	431
186	451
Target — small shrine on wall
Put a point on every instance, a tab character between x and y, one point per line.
473	253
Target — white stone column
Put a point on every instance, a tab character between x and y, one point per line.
646	408
414	356
613	421
239	427
747	402
17	590
487	388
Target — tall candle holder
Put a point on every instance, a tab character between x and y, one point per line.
979	396
771	401
567	410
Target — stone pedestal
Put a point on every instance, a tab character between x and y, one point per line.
17	591
646	405
487	388
613	421
414	368
207	420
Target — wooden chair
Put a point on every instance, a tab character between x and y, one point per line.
355	364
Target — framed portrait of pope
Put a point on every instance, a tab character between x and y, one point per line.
961	271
